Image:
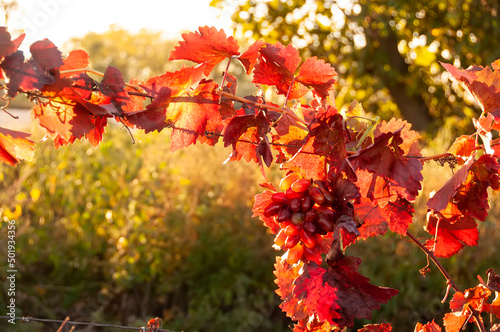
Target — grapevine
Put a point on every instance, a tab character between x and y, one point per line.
347	177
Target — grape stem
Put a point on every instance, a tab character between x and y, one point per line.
449	280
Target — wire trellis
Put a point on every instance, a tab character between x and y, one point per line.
28	319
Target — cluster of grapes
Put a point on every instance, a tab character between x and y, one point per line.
304	213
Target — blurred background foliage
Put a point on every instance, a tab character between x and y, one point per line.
123	233
386	52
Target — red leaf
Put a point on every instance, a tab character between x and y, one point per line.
95	135
443	196
276	66
14	146
471	298
454	321
66	120
193	115
384	173
20	74
318	75
285	276
262	201
410	137
463	147
482	83
7	45
452	234
75	60
376	328
462	305
429	327
207	45
46	55
163	89
396	215
249	57
340	294
113	86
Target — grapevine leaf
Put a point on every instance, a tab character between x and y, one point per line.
95	135
318	75
193	115
249	57
75	60
14	146
262	201
429	327
65	120
482	83
208	45
312	326
410	137
20	74
276	66
493	280
248	136
450	234
397	216
340	294
7	45
163	89
285	276
227	104
372	217
442	197
46	55
384	173
312	164
454	321
376	328
462	305
113	86
463	147
471	298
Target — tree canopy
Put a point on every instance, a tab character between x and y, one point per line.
387	52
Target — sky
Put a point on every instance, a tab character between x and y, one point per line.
59	20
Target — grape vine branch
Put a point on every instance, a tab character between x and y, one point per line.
347	177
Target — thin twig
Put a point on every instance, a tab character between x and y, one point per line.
285	111
98	73
449	279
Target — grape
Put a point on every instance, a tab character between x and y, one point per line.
292	230
307	203
272	210
309	227
291	241
298	218
295	254
284	214
308	239
279	240
290	194
325	223
312	254
295	204
279	198
287	181
311	215
301	185
317	195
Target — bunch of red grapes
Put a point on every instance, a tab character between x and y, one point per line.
304	213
